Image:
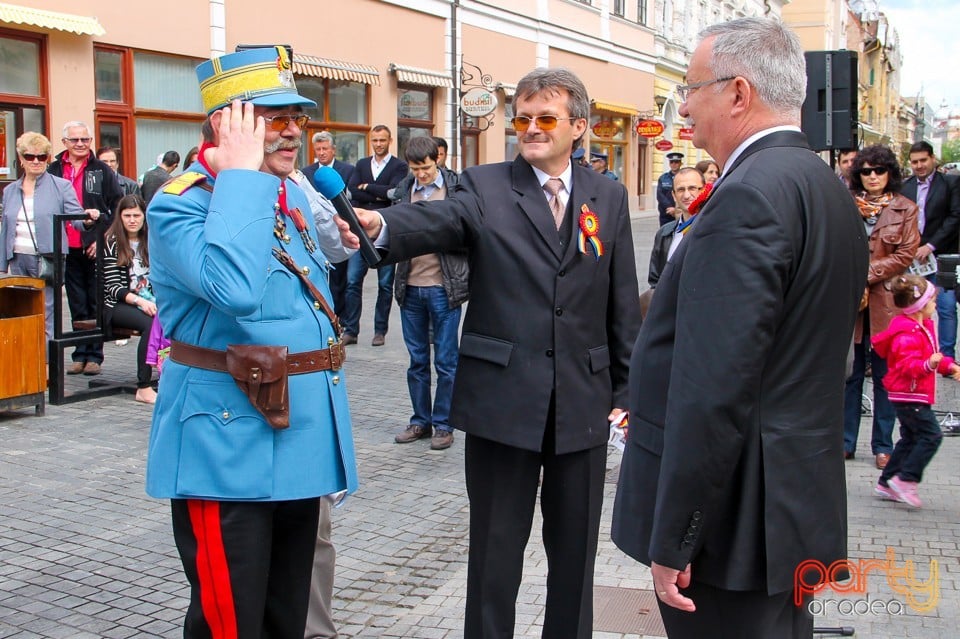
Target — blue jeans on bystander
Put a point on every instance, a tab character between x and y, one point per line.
422	307
883	413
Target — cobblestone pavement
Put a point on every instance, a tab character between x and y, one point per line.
85	554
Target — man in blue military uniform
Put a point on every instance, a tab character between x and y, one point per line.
251	424
665	203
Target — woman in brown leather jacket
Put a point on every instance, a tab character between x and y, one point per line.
890	220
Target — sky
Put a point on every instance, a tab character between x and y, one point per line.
930	41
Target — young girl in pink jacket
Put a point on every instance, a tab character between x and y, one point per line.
909	345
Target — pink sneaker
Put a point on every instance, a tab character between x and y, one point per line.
906	491
884	492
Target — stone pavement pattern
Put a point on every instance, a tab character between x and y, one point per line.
85	554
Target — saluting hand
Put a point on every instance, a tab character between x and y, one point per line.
240	138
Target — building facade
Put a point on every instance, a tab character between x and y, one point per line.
128	70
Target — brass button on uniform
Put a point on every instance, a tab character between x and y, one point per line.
329	339
306	270
336	379
226	414
316	306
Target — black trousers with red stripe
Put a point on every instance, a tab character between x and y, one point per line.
249	566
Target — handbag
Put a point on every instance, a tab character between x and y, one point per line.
46	269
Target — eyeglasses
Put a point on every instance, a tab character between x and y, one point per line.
878	170
281	122
78	140
544	122
32	157
680	190
684	90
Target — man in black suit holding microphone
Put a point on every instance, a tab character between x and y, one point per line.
543	355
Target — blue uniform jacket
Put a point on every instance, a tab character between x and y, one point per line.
217	283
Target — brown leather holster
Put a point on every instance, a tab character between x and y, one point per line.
261	373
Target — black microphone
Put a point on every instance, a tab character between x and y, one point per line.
331	186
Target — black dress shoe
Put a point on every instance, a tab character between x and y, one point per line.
849	455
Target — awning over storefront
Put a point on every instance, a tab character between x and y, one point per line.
81	25
335	69
422	77
614	107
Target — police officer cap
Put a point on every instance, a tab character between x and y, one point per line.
578	154
675	156
598	156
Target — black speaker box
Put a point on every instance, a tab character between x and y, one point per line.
829	115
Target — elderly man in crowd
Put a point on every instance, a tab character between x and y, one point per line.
733	474
251	426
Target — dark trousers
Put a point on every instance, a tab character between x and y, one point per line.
124	315
881	441
920	438
502	487
353	305
248	564
80	280
338	286
728	614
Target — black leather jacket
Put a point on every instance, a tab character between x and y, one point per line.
454	265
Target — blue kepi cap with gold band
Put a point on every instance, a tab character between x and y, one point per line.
263	77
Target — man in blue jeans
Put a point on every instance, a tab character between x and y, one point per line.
430	290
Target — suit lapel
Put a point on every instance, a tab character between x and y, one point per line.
583	195
533	202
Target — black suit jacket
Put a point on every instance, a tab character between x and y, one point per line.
375	195
941	212
345	169
544	321
734	460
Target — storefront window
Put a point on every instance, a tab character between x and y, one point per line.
510	142
19	66
166	83
316	90
414	115
348	102
107	75
156	137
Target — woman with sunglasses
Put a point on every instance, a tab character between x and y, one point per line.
890	220
29	207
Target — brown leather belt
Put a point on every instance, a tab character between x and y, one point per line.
326	359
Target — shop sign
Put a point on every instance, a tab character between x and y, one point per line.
415	105
663	145
478	102
686	134
606	129
649	128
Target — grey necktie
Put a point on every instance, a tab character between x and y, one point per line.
553	186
